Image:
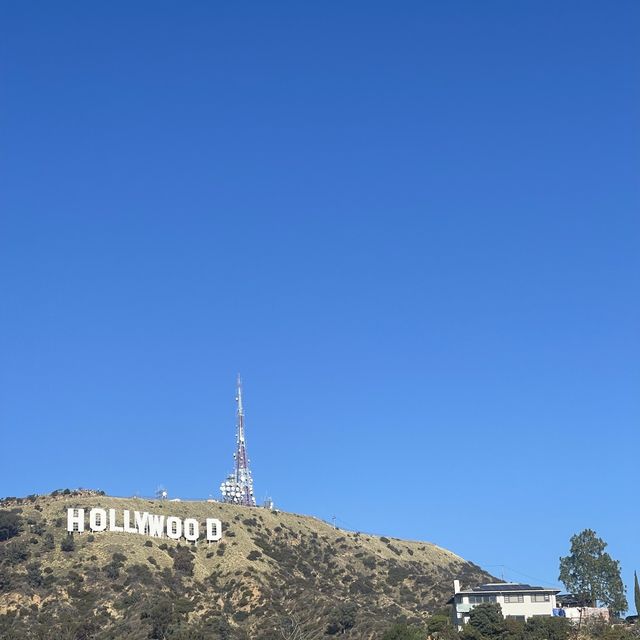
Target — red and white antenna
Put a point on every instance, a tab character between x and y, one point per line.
238	487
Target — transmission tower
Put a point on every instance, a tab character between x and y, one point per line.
238	487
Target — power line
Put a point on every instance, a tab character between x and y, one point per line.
552	583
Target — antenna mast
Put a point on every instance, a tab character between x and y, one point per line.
238	487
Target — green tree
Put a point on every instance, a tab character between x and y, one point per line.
487	619
438	622
514	629
470	633
439	626
546	628
636	592
591	574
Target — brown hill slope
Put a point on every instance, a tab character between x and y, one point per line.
269	567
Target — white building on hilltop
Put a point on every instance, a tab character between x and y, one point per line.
518	601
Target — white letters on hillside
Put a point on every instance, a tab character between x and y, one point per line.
112	521
214	529
75	519
191	529
143	523
174	528
97	519
156	526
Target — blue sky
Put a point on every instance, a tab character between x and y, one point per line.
413	227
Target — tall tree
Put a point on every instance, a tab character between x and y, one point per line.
591	574
487	618
636	592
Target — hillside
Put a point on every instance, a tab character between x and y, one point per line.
269	568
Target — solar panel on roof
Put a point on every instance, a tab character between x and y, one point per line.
505	587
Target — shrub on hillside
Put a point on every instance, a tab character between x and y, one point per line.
10	524
5	579
14	553
67	544
397	574
183	561
159	615
39	527
73	577
361	585
342	618
138	573
402	631
48	542
34	575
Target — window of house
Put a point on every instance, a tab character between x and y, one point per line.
513	597
520	618
539	597
480	599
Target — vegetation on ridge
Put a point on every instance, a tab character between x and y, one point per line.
272	574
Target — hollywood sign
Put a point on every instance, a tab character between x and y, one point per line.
143	523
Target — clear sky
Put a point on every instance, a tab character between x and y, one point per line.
413	227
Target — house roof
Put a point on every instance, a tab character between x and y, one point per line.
572	600
503	587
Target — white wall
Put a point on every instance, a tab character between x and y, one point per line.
527	608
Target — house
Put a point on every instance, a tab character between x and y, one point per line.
577	610
517	601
